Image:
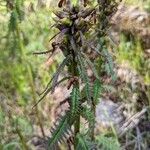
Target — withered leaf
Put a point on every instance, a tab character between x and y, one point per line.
60	14
86	13
61	2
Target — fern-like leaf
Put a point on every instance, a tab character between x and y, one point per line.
59	70
84	77
91	65
84	143
49	89
97	89
109	66
74	105
60	131
87	114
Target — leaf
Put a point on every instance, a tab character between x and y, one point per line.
84	143
59	70
60	14
109	66
87	114
86	12
97	89
75	96
61	2
47	86
84	76
54	36
62	35
91	65
60	131
47	90
53	79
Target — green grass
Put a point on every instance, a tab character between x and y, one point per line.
133	53
23	75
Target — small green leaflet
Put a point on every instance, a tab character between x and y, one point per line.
48	90
84	76
109	66
59	70
82	144
91	65
60	131
97	89
85	143
75	96
87	114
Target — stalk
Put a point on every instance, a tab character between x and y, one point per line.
77	122
74	73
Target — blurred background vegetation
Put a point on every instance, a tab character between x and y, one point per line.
25	27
